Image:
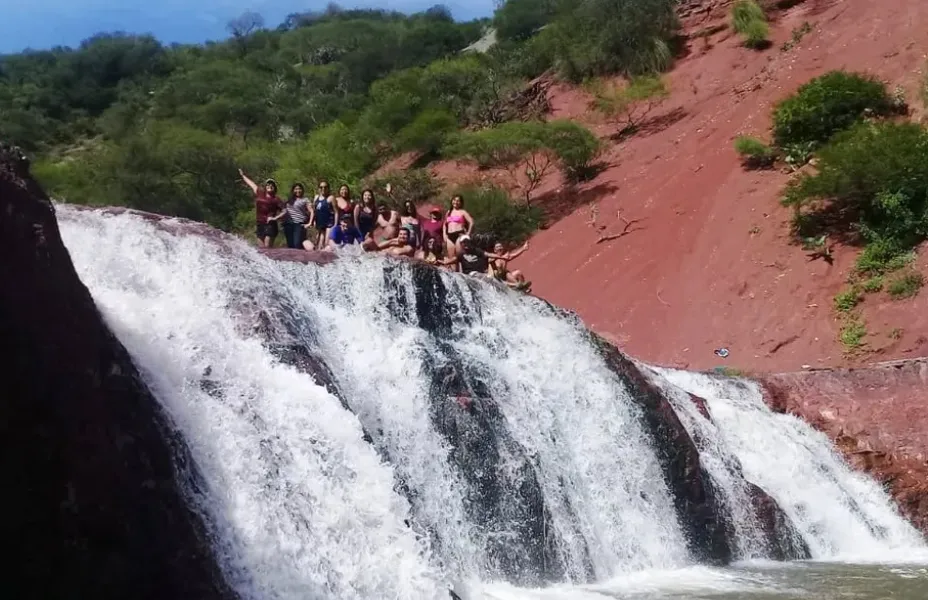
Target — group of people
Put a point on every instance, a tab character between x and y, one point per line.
329	221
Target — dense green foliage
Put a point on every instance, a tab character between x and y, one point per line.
597	37
827	105
518	20
748	20
876	175
123	119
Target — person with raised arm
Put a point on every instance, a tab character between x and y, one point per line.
471	260
268	209
500	270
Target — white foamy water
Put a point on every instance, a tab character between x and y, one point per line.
839	512
304	507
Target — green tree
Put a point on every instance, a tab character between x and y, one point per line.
518	20
630	37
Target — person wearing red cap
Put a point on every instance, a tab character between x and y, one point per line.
432	228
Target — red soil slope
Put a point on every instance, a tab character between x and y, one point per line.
710	263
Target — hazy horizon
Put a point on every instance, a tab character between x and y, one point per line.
44	24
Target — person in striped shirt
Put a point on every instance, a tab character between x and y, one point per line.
297	217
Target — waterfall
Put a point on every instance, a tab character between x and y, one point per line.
838	512
377	429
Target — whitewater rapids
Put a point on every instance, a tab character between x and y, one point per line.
345	488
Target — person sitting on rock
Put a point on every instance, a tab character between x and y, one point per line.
398	246
433	252
409	219
471	260
345	233
268	208
499	267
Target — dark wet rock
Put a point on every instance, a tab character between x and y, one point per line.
698	508
504	497
781	537
94	474
701	405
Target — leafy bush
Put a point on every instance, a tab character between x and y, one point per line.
631	104
754	153
827	105
528	59
906	285
529	151
330	153
496	216
575	146
414	185
602	37
748	20
427	132
876	176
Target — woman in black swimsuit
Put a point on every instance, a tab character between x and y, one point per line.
365	214
344	205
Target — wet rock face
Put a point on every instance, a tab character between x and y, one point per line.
504	497
699	511
782	540
91	495
877	416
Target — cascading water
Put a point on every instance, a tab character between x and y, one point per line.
371	429
839	513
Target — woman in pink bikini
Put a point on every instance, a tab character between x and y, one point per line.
458	222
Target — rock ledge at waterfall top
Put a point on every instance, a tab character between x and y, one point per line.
877	416
92	501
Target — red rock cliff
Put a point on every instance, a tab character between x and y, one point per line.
877	416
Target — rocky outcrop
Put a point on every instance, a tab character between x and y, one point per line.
877	416
780	536
93	472
504	497
698	508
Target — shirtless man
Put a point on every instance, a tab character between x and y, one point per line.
398	246
389	223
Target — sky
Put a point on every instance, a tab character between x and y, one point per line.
42	24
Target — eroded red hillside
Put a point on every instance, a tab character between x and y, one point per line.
710	262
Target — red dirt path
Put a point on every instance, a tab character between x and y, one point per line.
712	264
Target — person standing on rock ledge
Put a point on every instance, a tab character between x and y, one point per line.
268	208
